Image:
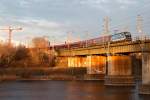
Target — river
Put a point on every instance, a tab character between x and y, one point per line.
66	90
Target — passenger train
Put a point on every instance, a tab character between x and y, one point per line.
117	37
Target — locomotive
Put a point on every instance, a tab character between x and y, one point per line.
123	36
117	37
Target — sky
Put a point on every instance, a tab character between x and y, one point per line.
82	19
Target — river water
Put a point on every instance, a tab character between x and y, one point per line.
66	90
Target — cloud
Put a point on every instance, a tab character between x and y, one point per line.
33	27
99	4
40	23
24	3
127	2
108	5
108	1
42	27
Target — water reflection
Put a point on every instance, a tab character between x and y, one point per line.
66	90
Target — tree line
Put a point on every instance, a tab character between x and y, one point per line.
21	56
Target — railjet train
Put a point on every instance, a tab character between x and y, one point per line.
117	37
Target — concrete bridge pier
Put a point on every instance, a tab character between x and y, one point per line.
137	65
145	87
119	71
77	61
95	64
61	61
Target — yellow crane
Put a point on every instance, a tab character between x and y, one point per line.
10	29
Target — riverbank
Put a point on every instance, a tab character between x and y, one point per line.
54	77
31	74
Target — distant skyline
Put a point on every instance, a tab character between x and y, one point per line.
55	18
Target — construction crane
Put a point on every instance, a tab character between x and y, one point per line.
10	29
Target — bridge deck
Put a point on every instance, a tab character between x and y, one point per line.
116	47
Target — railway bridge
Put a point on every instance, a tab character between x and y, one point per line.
112	48
120	62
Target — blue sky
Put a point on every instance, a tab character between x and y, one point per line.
55	18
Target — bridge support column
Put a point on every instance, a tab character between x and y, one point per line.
89	65
77	61
96	64
61	62
137	65
119	71
72	61
145	87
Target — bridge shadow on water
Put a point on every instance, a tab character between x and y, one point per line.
66	90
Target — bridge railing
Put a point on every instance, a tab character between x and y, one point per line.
141	38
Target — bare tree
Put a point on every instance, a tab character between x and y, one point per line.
40	42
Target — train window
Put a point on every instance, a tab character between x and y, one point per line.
118	36
127	33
